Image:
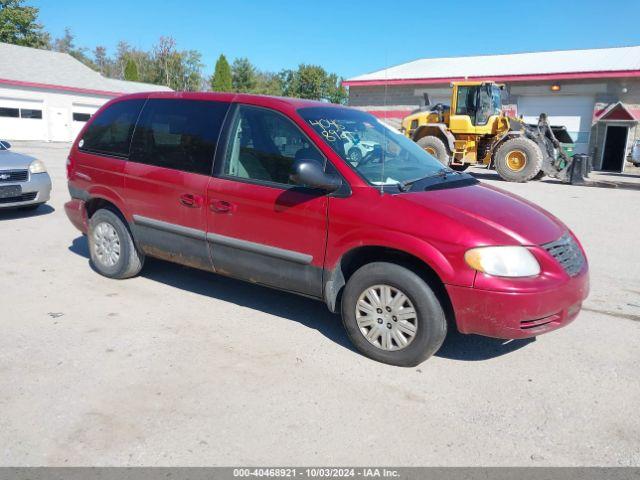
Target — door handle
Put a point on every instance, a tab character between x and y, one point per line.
190	200
220	206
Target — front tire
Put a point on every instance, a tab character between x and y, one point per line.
518	160
392	315
436	148
113	253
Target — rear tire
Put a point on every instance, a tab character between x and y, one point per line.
113	253
427	321
435	147
518	160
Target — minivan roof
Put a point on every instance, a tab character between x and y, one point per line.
265	100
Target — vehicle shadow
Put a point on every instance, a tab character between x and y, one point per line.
310	313
14	213
473	348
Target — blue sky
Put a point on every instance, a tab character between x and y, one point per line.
346	37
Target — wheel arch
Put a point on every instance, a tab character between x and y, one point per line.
98	197
359	256
438	130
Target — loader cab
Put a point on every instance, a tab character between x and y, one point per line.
473	106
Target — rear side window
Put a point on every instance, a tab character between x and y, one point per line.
110	132
179	134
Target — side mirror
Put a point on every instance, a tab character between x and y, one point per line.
5	144
308	173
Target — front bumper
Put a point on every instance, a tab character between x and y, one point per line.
518	315
35	191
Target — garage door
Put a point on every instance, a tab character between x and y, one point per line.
21	119
574	112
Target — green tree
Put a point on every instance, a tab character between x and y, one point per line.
18	25
66	44
314	83
191	70
131	71
221	80
268	83
244	75
105	64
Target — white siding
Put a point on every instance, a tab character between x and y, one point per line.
57	113
573	111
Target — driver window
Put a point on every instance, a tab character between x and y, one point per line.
264	146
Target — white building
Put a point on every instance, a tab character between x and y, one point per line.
594	93
47	95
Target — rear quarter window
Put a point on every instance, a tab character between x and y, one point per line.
110	132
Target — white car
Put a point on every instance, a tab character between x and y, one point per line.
355	147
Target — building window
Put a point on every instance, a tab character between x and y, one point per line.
9	112
29	113
81	117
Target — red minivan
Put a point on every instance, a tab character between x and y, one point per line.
262	189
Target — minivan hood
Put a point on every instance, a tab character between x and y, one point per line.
14	161
505	218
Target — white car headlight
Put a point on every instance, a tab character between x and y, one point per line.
37	166
503	261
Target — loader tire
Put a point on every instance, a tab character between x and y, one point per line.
436	148
518	160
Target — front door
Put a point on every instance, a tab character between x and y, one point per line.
261	227
615	146
167	176
59	124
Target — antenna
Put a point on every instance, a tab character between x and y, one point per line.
384	138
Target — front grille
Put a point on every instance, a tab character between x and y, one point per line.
568	254
25	197
7	176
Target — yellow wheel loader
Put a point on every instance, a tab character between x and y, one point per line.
474	131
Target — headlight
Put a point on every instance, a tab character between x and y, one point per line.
503	261
37	167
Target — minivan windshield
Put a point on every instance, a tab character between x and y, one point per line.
382	155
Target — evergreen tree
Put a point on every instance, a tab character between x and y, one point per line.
244	75
131	71
221	80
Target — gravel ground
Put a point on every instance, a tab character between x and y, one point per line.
182	367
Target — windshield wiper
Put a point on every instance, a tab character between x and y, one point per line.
405	186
